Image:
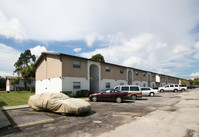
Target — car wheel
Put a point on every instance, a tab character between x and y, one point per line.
118	99
133	97
152	94
94	99
161	90
175	90
183	89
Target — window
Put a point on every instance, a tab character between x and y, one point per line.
108	85
166	86
118	88
153	76
171	86
108	69
136	73
134	89
144	85
144	74
121	71
121	83
145	89
125	88
176	85
76	64
108	91
76	85
114	91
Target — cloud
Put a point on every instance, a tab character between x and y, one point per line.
93	37
192	75
145	51
77	49
8	57
11	28
133	31
195	74
38	50
72	20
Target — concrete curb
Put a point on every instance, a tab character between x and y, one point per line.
15	107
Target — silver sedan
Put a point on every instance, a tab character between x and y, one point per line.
147	91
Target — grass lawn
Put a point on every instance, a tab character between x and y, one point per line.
14	98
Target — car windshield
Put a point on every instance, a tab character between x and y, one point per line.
118	88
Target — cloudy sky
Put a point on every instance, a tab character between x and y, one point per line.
156	35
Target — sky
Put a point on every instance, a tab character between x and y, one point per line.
161	36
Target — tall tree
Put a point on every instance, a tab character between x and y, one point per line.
98	57
25	68
24	60
196	81
28	73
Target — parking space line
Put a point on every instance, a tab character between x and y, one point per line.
41	121
39	113
34	123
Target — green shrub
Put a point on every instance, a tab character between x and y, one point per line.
83	93
68	93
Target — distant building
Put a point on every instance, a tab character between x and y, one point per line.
20	86
57	72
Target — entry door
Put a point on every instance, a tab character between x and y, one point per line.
149	80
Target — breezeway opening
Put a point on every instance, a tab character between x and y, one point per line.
94	78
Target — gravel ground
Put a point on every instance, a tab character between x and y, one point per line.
104	119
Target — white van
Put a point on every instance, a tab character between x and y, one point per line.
134	91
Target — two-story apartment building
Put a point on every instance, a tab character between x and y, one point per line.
57	72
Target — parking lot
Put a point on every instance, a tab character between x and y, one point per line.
105	119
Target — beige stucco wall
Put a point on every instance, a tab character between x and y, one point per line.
162	78
49	68
140	76
69	71
114	73
41	70
171	80
153	76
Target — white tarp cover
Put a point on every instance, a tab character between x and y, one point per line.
59	102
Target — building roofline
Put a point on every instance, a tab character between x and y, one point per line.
59	54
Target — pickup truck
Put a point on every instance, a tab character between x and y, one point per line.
171	87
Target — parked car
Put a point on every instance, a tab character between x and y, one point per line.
170	87
147	91
191	87
134	91
59	103
183	87
109	95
